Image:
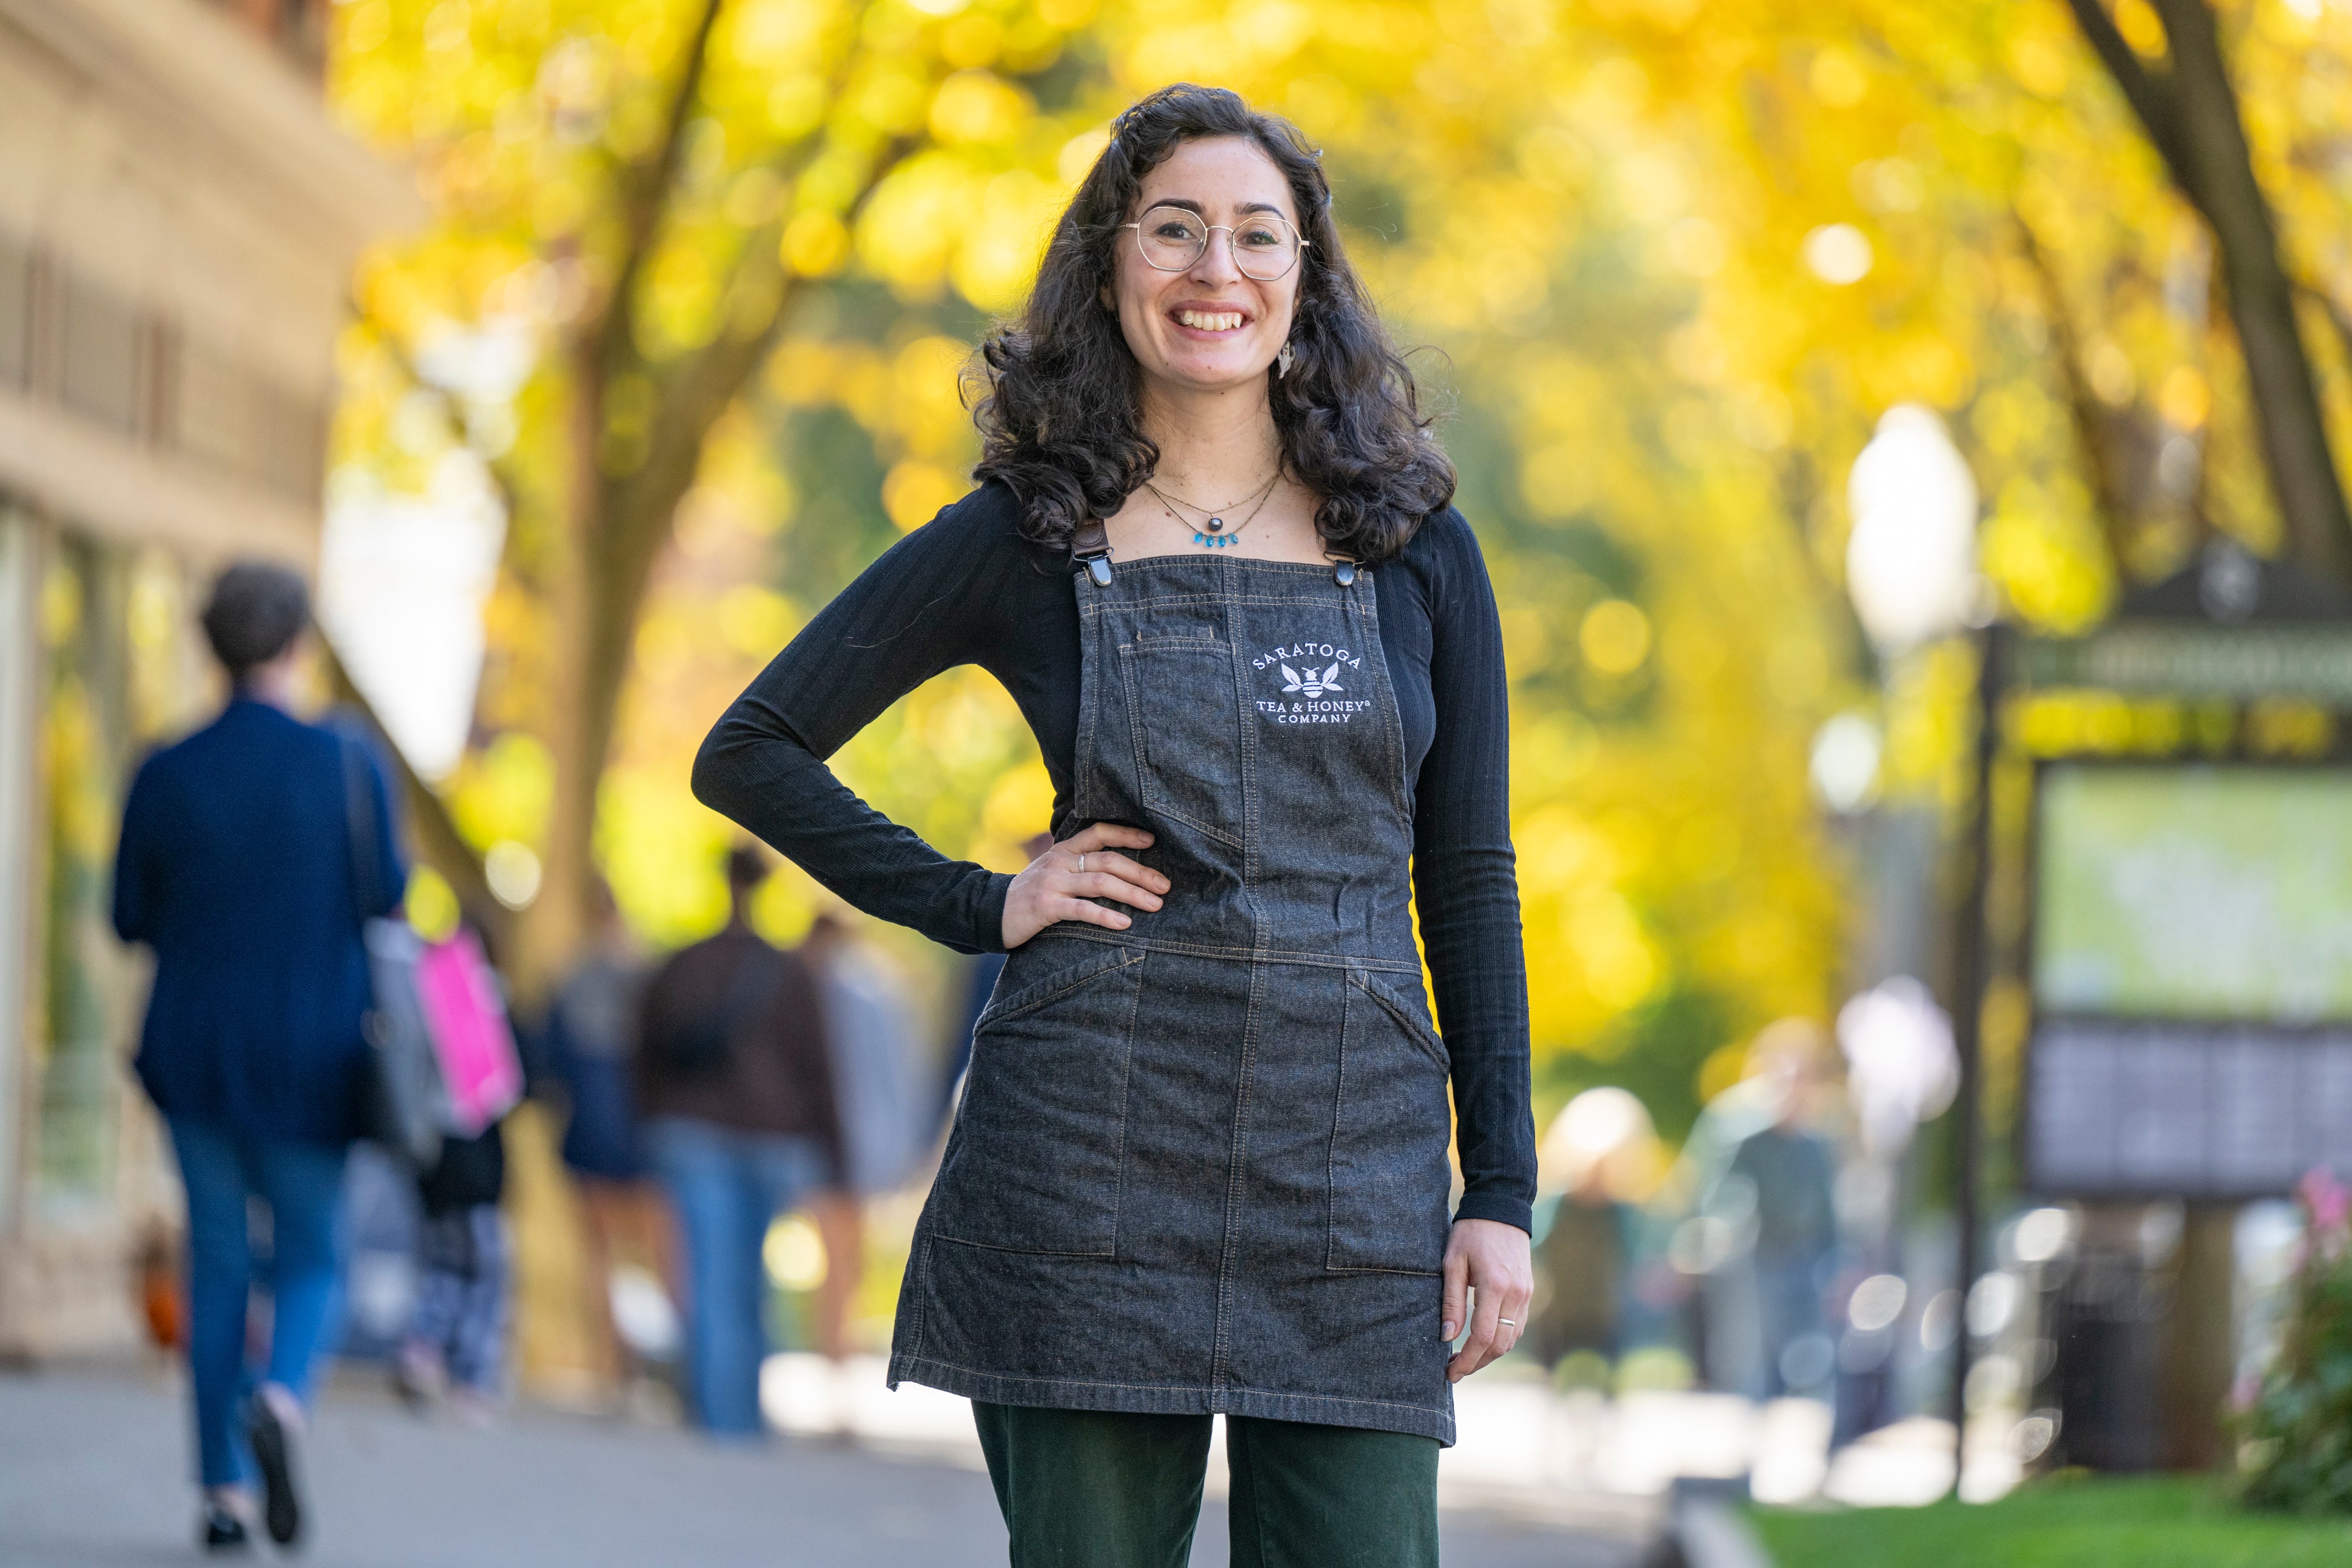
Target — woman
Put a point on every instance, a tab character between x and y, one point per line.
251	852
1201	1162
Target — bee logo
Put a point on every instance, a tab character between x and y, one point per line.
1311	684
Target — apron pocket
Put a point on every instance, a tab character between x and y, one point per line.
1034	1162
1188	730
1390	1175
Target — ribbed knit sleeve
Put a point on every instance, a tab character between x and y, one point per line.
1465	883
930	603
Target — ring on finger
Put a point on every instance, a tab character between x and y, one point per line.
1082	863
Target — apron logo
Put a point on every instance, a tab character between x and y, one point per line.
1309	683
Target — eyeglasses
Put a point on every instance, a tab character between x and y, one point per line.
1263	246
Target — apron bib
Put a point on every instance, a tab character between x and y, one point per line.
1201	1164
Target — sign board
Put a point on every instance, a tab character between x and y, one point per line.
2307	663
2172	1111
2191	961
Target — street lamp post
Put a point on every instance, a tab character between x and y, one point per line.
1911	571
1968	1029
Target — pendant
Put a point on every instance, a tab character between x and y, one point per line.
1216	540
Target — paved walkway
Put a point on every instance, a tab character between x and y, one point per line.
91	1465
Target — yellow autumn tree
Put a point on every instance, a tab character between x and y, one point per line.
1673	262
645	193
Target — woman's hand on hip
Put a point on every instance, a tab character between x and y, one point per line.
1063	882
1489	1280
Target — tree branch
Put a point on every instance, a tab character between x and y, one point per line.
438	842
1799	486
638	509
501	479
695	395
2337	318
2106	494
645	191
2151	94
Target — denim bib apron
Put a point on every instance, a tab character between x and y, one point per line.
1201	1164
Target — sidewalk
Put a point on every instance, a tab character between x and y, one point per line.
92	1467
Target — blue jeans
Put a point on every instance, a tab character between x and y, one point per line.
727	1186
461	1294
1789	1300
300	1184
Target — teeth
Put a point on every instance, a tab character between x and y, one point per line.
1209	320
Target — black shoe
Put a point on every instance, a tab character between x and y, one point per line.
281	1510
224	1532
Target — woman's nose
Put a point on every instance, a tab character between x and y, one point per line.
1216	263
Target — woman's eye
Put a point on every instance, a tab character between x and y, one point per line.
1172	229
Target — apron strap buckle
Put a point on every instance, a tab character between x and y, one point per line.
1090	547
1344	573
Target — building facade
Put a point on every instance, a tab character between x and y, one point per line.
178	221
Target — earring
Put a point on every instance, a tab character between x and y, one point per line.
1284	361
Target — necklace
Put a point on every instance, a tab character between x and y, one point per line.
1215	535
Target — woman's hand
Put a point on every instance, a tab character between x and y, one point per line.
1061	883
1489	1259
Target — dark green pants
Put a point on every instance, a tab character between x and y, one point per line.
1088	1489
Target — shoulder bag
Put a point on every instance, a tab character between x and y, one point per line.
406	1100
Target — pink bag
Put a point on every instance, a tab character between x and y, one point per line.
467	1018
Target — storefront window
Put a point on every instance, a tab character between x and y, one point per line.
119	678
84	744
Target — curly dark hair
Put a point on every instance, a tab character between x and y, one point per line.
1059	412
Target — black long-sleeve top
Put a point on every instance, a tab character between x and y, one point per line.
966	590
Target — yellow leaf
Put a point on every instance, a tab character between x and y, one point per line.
977	106
2142	28
2184	399
1614	637
815	244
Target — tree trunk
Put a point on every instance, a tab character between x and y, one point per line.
2191	113
552	928
619	517
620	524
2261	300
2199	1339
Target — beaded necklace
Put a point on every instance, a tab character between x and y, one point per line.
1214	534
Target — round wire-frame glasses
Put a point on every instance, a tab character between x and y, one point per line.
1265	245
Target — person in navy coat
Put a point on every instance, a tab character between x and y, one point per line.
251	854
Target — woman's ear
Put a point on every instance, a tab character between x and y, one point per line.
1109	304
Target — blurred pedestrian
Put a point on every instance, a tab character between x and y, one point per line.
455	1343
247	856
879	1103
590	1047
737	1093
1777	1194
1277	729
1585	1235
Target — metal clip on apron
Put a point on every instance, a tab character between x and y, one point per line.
1201	1163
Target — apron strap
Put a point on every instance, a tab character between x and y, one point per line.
1090	547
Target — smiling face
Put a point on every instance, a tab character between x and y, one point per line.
1207	328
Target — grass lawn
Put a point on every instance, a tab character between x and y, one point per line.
2135	1523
